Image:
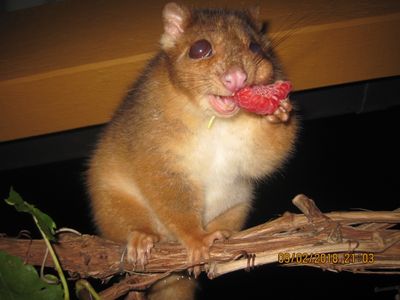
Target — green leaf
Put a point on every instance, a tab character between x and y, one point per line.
45	222
19	281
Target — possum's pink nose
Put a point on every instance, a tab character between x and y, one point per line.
234	79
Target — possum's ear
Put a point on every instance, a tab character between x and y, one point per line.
254	14
176	18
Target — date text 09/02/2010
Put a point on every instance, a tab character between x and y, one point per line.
326	258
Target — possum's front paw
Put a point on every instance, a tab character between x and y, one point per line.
139	247
199	249
282	114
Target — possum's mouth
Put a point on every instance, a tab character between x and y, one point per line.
224	106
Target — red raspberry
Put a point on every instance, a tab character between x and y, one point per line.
263	99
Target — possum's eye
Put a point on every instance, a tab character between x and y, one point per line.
256	48
200	49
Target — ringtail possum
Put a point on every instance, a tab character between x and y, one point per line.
160	172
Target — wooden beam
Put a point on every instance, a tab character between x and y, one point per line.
67	64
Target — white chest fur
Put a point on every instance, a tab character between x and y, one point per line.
218	159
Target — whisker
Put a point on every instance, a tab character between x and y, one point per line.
288	29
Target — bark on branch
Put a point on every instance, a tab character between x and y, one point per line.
362	241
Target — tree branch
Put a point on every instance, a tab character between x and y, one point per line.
362	241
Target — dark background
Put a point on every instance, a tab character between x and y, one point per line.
343	162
